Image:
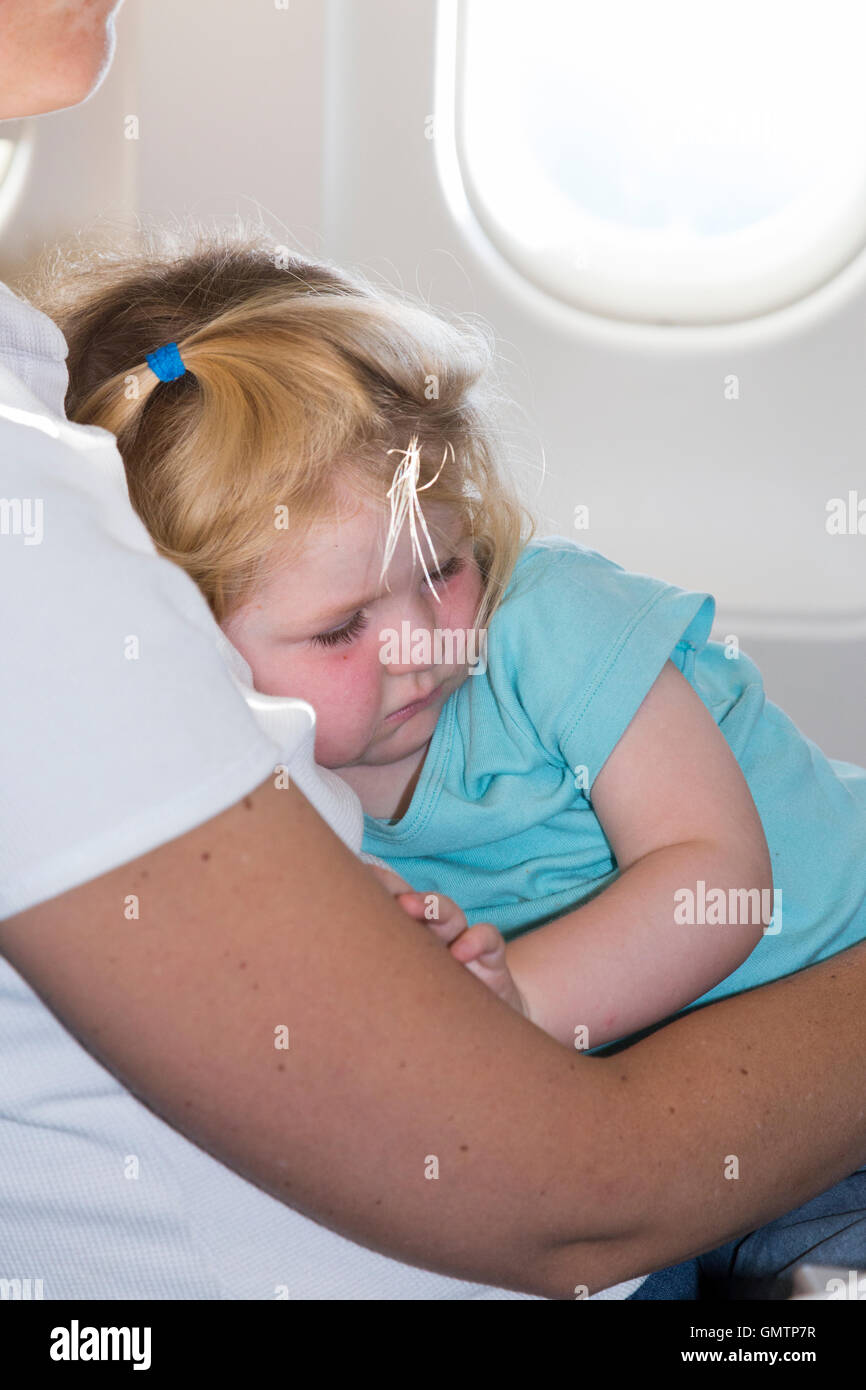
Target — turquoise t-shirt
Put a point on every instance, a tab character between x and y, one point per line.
501	820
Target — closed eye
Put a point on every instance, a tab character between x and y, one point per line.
350	630
347	633
448	571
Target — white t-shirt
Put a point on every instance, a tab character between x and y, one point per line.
123	728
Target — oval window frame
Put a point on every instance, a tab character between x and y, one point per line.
615	273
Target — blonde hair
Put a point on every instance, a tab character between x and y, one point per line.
302	381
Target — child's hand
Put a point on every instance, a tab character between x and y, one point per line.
481	948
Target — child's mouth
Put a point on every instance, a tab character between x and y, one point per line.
407	711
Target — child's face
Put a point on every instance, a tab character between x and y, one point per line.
314	629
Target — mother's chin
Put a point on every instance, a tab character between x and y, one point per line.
54	53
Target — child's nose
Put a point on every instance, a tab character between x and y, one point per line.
408	642
407	649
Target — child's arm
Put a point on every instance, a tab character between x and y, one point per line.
675	808
620	962
598	973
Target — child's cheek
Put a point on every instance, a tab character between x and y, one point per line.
338	683
346	695
460	599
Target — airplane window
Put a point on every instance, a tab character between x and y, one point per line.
666	163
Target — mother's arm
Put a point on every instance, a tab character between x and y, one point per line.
555	1169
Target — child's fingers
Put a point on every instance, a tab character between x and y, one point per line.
482	943
435	911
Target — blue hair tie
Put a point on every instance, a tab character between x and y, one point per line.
166	362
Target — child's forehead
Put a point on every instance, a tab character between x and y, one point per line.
355	524
359	529
336	569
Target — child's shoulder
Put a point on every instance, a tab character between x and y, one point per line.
555	566
543	557
545	550
563	594
578	641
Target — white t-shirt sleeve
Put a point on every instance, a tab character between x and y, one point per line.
122	726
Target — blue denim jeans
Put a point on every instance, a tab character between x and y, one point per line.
829	1230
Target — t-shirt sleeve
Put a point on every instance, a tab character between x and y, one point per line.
122	727
582	645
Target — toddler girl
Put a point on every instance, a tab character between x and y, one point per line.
546	747
530	729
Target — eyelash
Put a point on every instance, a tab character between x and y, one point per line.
355	626
348	633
